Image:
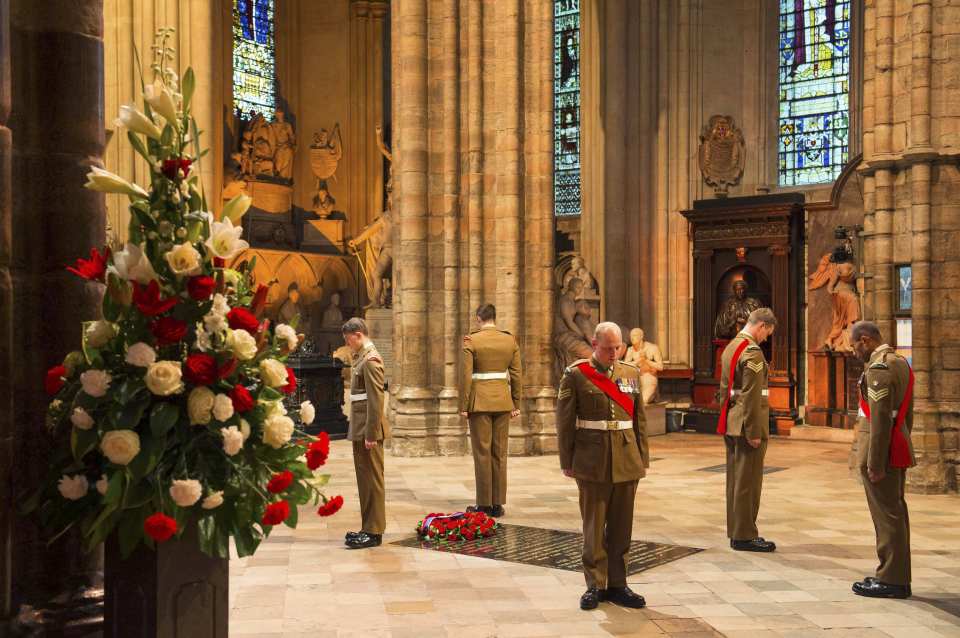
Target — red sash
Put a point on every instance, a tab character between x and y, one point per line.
899	444
607	386
722	423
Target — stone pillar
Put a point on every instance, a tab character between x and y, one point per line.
57	121
7	505
780	256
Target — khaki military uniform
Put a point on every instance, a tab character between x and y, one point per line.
367	423
748	417
883	386
607	464
491	389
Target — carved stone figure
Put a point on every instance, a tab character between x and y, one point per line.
573	325
284	144
733	315
325	154
721	154
267	148
376	259
838	273
332	315
291	306
647	357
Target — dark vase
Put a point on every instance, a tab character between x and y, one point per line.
176	591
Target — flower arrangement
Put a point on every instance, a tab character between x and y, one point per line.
171	414
460	526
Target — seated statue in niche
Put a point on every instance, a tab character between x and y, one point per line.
573	324
271	145
837	272
291	307
647	357
332	315
733	315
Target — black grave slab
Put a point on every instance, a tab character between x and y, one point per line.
550	548
720	469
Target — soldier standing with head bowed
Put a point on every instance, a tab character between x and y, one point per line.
601	432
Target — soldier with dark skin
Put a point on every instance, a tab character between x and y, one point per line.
367	431
884	452
490	396
745	424
602	440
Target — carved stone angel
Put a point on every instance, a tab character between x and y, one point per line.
721	155
839	275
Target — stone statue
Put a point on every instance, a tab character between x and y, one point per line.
325	154
573	325
647	357
267	148
721	154
838	273
733	315
332	316
284	144
376	262
291	306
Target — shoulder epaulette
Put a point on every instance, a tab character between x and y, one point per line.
879	365
506	332
573	365
752	348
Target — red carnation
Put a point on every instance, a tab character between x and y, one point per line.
291	386
168	330
331	507
276	513
94	268
280	482
171	168
54	380
201	287
160	527
468	534
318	451
148	299
200	369
242	399
243	319
227	368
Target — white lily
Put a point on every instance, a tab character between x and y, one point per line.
161	100
135	120
107	182
131	264
224	241
236	208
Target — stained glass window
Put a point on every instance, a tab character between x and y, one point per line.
254	59
566	107
904	289
814	90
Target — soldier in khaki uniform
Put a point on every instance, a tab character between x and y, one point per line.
601	432
367	431
745	424
884	452
490	396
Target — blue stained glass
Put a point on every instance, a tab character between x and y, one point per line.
254	57
905	288
814	90
566	107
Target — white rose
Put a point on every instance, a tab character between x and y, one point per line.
245	429
307	413
200	405
277	431
272	408
141	355
220	306
164	378
232	440
95	382
212	501
273	373
288	334
222	407
243	345
81	419
183	259
130	263
204	342
73	487
186	493
224	241
120	446
102	485
99	333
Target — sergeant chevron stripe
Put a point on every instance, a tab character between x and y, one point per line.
877	394
756	366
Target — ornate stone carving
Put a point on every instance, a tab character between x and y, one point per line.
577	310
721	154
743	231
325	154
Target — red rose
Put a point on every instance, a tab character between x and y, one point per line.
94	268
171	168
160	527
276	513
200	369
148	299
54	380
331	507
242	399
227	368
291	386
168	330
243	319
280	482
201	287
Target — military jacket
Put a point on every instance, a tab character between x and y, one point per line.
367	394
748	411
601	455
883	386
485	351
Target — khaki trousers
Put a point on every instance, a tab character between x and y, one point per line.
891	522
607	511
369	468
489	439
744	484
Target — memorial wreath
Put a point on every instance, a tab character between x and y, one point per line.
459	526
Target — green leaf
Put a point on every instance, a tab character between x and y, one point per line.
144	462
131	415
163	416
269	394
137	494
187	86
82	441
114	488
321	480
143	218
138	146
291	521
245	540
129	389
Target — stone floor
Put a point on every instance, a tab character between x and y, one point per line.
306	584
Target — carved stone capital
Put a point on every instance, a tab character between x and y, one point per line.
779	250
